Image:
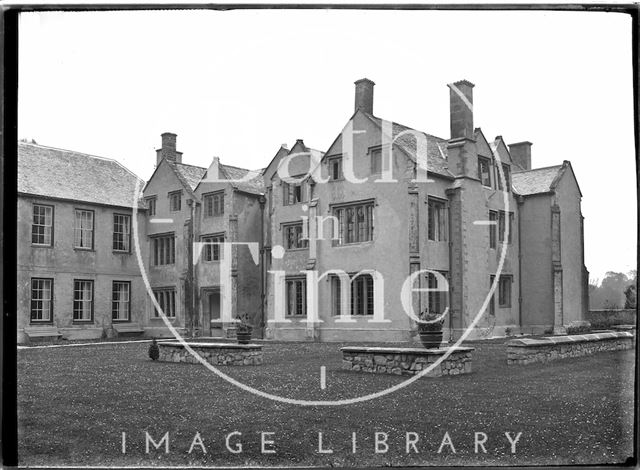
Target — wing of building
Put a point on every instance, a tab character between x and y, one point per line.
344	244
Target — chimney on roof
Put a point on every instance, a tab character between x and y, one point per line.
364	95
168	149
521	154
461	109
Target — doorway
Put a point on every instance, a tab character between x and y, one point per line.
211	306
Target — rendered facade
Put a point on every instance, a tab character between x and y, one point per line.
382	206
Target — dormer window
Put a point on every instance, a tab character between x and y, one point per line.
484	171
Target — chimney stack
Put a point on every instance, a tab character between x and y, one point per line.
364	95
521	154
168	149
461	109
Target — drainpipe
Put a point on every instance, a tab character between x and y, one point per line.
263	264
450	246
520	201
190	277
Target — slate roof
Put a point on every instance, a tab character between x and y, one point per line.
539	180
65	174
436	146
192	175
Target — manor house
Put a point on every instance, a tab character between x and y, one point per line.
389	219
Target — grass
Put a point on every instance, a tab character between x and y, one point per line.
74	404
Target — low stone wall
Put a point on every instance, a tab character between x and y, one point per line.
406	361
218	354
529	350
608	318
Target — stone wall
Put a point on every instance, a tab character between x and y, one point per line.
529	350
609	318
406	361
228	354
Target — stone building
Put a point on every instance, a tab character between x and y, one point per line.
77	275
385	209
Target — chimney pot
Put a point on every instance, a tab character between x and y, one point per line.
521	154
364	95
461	109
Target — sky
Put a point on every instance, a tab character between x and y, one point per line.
238	84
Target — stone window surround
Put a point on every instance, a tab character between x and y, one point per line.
218	237
371	222
217	203
174	196
285	227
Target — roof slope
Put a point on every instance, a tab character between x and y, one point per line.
539	180
436	146
191	176
51	172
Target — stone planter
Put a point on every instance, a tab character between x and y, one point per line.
431	339
243	338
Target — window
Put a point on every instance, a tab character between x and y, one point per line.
503	218
294	193
163	250
335	168
504	291
296	296
83	229
436	300
293	237
175	201
121	301
437	228
214	204
41	300
212	251
121	232
355	223
151	205
507	178
166	298
361	295
82	300
493	217
42	226
376	161
484	171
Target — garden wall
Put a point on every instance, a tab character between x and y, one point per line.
214	353
406	361
529	350
609	318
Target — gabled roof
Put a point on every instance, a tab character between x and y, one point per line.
537	181
189	175
436	146
194	175
65	174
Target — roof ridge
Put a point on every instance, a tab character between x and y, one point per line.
540	168
188	164
408	127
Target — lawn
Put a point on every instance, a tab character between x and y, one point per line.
74	403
